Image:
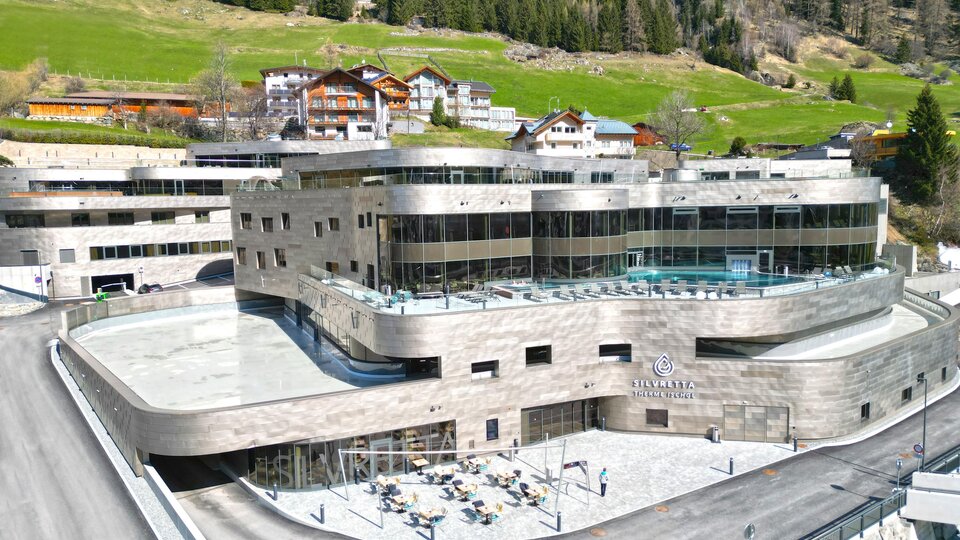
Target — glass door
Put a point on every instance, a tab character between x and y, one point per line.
178	187
381	444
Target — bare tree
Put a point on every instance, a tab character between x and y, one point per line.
215	86
120	111
677	120
252	107
863	152
75	84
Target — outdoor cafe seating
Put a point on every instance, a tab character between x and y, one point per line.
432	517
465	491
442	475
535	496
508	478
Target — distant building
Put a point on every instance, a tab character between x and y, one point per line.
396	90
426	85
103	106
564	133
133	102
647	135
470	101
339	105
280	84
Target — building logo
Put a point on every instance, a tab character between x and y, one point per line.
663	367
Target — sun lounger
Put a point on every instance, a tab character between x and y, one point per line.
681	287
741	288
563	293
537	295
627	287
582	291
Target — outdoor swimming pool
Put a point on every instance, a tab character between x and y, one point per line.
712	277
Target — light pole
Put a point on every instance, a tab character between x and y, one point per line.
899	466
923	377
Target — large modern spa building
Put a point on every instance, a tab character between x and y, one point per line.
487	296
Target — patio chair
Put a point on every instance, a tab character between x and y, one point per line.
524	486
457	483
666	286
436	520
517	472
722	288
627	288
847	270
681	287
478	504
610	290
817	271
741	288
642	287
537	295
569	291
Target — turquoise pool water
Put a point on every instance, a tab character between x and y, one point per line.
713	277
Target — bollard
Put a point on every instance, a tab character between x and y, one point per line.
559	515
603	423
356	476
796	445
448	301
406	465
861	525
401	309
274	491
433	532
323	514
731	466
516	446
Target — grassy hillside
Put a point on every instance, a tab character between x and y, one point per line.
171	40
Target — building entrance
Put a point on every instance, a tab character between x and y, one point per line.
552	421
112	282
756	423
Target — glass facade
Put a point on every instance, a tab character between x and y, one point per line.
427	251
310	464
444	174
552	421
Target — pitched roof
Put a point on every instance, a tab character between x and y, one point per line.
614	127
446	80
390	76
306	69
70	101
479	86
587	117
540	124
133	96
380	72
319	79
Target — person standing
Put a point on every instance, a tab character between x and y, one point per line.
603	482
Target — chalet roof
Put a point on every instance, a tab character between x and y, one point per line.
614	127
478	86
540	124
313	82
133	96
360	68
587	117
301	69
446	80
390	76
70	101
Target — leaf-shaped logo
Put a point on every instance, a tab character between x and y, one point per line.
663	367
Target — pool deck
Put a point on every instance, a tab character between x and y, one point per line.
221	358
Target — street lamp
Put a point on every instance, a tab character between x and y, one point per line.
923	378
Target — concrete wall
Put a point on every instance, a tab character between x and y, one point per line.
88	155
905	254
22	280
824	396
944	282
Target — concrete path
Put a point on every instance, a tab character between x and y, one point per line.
56	481
805	493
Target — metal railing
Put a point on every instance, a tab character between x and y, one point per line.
856	522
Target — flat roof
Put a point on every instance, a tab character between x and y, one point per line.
215	356
71	101
149	96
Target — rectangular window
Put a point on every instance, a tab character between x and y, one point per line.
943	374
162	218
360	221
136	250
369	219
266	224
245	220
21	221
493	429
354	267
242	256
333	267
280	257
201	216
865	411
67	256
318	229
657	417
261	260
80	220
616	353
539	355
333	224
920	376
285	221
110	252
485	370
364	129
120	218
906	394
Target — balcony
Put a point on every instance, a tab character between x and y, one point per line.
567	137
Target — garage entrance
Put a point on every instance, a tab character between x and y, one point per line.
756	423
112	282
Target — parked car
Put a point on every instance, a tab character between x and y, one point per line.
146	289
684	147
703	108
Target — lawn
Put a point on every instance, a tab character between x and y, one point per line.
473	138
145	40
82	132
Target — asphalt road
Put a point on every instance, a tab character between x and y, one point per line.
805	492
55	480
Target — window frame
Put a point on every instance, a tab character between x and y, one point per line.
537	350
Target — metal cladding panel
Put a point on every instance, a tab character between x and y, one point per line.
580	199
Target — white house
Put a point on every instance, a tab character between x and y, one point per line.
563	133
280	84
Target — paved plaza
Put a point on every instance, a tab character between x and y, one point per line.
643	470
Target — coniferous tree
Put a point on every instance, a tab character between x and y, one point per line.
846	90
632	26
902	56
926	158
609	27
488	15
834	87
836	14
438	116
576	37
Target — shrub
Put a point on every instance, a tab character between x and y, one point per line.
5	161
791	81
737	146
75	84
863	61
